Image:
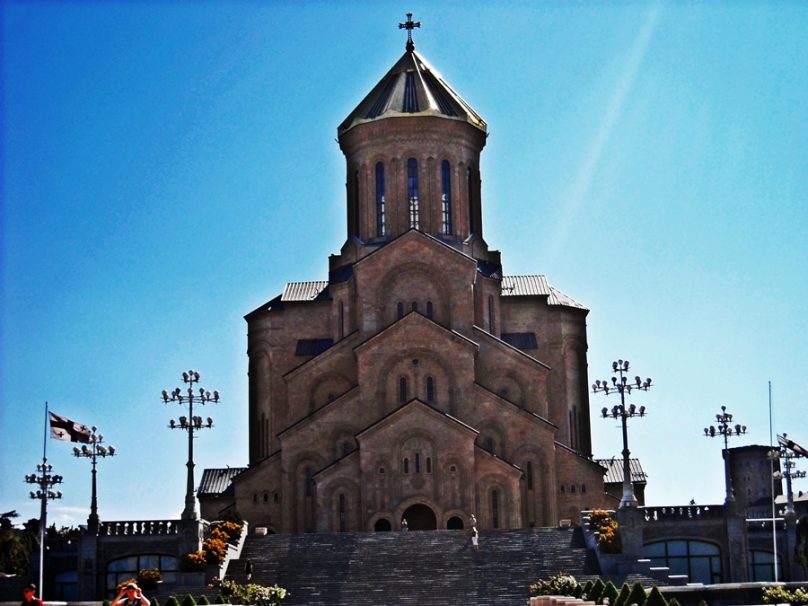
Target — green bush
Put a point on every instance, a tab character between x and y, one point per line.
637	595
155	602
655	598
578	592
587	588
673	602
560	584
203	600
781	595
172	601
189	600
623	596
610	591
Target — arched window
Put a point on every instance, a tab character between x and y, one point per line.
266	497
761	565
309	480
495	508
346	448
382	525
446	197
472	224
429	310
402	389
341	319
342	513
430	389
417	463
699	560
406	465
399	310
415	305
412	192
529	474
381	213
429	464
355	217
491	314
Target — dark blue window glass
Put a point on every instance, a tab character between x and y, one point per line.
446	197
412	192
381	212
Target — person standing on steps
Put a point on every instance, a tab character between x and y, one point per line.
475	539
248	570
404	526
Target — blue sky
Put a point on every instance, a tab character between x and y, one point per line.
167	167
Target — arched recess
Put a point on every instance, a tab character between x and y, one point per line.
454	523
343	503
261	434
304	491
410	283
420	517
382	525
492	438
416	365
509	387
326	388
495	502
343	441
535	486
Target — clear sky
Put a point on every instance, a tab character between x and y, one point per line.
167	167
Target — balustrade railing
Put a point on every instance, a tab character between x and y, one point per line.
678	512
139	528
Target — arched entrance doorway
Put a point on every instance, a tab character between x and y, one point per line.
382	525
420	517
454	523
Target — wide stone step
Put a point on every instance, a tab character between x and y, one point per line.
437	568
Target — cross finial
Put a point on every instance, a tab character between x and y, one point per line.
409	25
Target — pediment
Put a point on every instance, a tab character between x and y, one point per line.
402	332
414	245
414	414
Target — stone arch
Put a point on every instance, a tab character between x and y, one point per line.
413	282
535	498
327	387
416	365
304	490
454	519
495	501
418	499
509	387
492	437
347	520
343	441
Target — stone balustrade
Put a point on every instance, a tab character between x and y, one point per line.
680	512
139	528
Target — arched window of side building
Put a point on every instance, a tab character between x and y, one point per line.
342	514
430	389
402	389
495	508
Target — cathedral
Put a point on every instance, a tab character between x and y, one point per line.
418	382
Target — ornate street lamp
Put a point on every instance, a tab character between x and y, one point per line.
46	480
95	450
787	455
190	424
620	384
725	429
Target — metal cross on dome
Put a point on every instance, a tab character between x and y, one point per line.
409	25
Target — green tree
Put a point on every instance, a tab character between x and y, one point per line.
188	600
596	593
16	545
172	601
637	595
203	600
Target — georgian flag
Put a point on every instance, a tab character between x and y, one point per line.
63	428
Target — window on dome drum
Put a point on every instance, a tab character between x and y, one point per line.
355	217
400	310
429	310
430	389
699	560
402	389
381	214
761	565
342	516
446	197
412	192
495	509
472	226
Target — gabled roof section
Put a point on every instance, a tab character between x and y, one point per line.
614	470
412	87
404	324
216	482
537	286
417	235
416	404
509	347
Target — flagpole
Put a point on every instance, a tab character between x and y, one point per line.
43	510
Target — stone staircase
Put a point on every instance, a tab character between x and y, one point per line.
435	568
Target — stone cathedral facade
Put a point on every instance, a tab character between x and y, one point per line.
418	381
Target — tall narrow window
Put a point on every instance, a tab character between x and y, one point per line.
472	224
309	479
415	305
494	509
529	473
355	213
417	463
381	212
412	192
341	319
406	465
429	464
400	310
491	314
429	310
342	512
446	197
430	389
402	389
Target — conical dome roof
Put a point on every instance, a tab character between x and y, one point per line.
412	88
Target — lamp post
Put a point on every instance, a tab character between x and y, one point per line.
621	385
788	472
95	450
725	429
45	479
190	424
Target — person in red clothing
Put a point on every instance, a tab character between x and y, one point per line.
29	596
